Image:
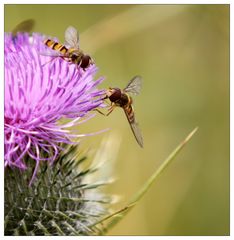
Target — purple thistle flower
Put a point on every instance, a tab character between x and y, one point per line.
40	91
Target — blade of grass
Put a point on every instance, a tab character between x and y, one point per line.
118	215
162	167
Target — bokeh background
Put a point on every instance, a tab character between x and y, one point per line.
182	52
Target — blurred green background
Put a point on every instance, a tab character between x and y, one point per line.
182	52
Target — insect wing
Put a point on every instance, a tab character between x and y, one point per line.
134	86
129	112
25	26
51	53
72	37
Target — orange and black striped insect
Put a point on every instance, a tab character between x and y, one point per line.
121	98
70	51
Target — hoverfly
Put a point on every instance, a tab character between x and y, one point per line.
71	51
121	98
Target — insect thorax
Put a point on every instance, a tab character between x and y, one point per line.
75	55
124	100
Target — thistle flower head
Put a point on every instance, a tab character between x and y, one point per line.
40	91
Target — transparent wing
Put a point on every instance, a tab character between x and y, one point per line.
72	37
134	85
51	53
25	26
134	125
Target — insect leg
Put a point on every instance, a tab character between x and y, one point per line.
99	111
53	58
110	110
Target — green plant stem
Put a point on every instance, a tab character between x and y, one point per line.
118	215
162	167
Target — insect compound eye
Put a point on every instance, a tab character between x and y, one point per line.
85	61
116	95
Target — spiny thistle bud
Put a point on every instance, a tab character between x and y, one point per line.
60	201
